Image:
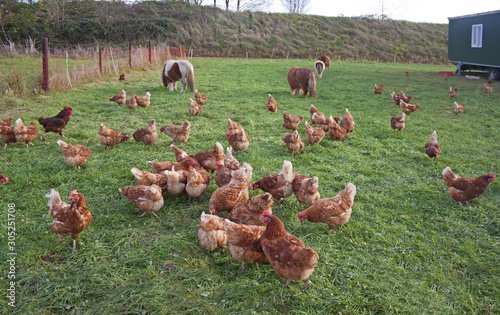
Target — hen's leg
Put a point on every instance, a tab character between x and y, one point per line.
74	247
308	284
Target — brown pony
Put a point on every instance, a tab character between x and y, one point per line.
326	60
302	79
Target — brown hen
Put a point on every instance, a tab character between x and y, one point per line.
290	258
68	219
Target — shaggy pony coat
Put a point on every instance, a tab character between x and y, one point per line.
178	70
302	80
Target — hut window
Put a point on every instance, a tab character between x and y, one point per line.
477	36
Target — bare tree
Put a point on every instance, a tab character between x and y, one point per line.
227	4
296	6
383	15
253	5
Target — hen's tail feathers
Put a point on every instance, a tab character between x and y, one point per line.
287	171
315	183
434	136
230	228
449	177
138	174
242	234
229	153
54	198
62	143
210	222
179	153
350	190
219	148
236	235
248	170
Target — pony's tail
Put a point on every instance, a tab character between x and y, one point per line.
164	77
312	84
190	80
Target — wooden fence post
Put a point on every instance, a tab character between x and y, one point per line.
100	57
130	54
149	48
142	61
113	60
45	64
156	58
67	71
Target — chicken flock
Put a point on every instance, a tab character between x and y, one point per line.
253	233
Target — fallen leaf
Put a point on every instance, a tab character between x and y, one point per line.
169	266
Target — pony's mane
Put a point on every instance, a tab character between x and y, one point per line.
319	67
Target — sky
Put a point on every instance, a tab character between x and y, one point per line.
429	11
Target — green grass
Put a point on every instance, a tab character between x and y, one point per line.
408	247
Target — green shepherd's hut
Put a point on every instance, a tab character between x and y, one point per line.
474	42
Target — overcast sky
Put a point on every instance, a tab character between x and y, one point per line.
432	11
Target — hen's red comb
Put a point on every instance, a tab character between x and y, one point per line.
491	175
265	213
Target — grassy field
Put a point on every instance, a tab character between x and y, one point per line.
408	247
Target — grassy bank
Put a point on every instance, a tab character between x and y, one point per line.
220	33
408	247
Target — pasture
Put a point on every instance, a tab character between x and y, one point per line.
408	247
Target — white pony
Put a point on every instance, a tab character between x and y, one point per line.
178	70
319	66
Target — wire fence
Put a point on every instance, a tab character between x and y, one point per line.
22	66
